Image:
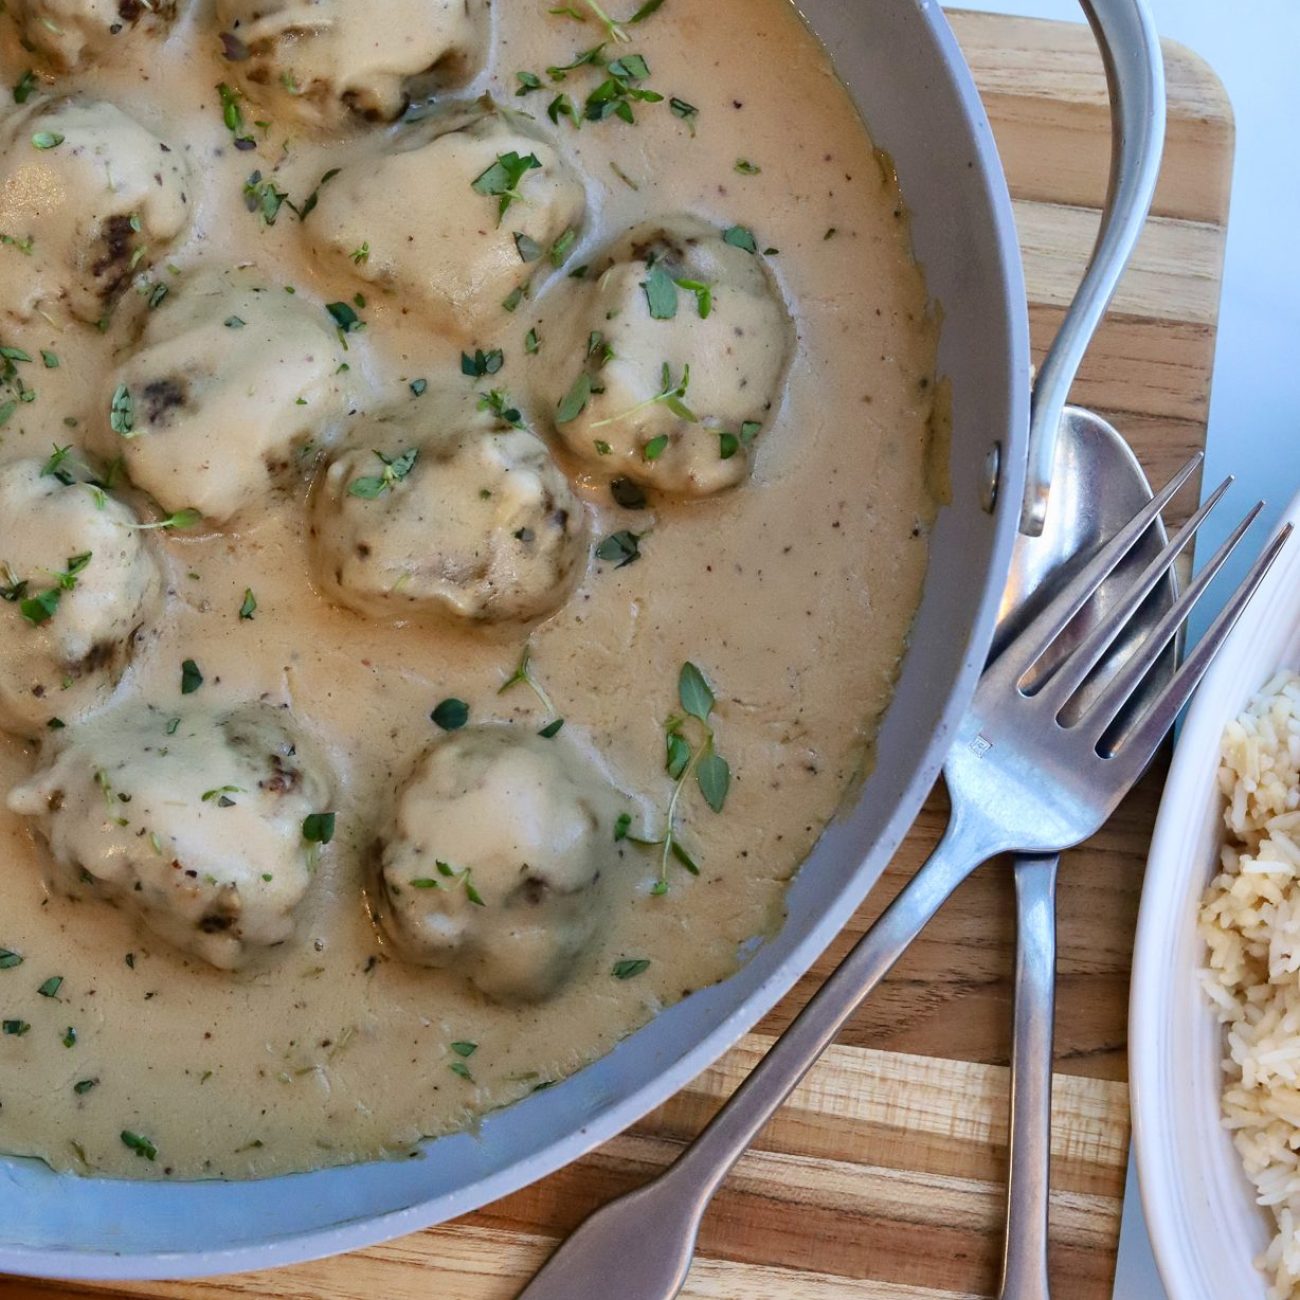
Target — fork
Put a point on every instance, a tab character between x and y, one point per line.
1031	769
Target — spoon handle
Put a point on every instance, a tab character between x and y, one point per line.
1024	1260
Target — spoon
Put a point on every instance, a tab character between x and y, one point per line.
1098	486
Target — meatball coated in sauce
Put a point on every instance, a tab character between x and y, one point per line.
234	381
326	64
194	822
78	583
438	230
92	198
675	346
459	518
70	34
493	861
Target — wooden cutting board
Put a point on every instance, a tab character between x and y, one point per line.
882	1179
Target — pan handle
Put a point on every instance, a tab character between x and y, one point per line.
1135	74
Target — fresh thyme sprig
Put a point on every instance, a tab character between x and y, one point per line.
690	751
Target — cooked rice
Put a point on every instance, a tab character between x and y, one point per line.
1250	918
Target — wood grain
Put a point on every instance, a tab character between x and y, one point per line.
882	1180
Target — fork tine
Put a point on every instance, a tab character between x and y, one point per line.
1072	673
1138	745
1034	641
1106	707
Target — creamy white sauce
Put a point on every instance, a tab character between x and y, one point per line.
793	591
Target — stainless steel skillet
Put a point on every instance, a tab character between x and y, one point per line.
902	65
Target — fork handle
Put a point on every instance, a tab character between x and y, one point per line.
1024	1258
640	1246
967	842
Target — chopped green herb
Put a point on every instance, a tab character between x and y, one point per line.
560	249
344	317
140	1145
318	828
9	959
528	82
310	202
713	775
451	714
747	168
419	387
182	519
26	84
219	795
687	112
233	116
465	1050
121	412
191	677
703	295
660	292
693	690
83	1086
620	549
482	363
502	179
264	196
529	249
552	729
51	359
630	968
249	606
461	1069
621	826
497	400
50	988
69	1037
563	106
15	1028
41	608
235	323
575	400
523	675
47	140
655	448
532	344
395	469
740	237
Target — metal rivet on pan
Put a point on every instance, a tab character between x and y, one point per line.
992	477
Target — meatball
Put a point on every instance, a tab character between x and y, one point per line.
666	361
463	518
234	381
484	208
493	862
92	197
69	34
196	822
325	63
77	581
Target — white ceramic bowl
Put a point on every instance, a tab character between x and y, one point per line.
1200	1209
